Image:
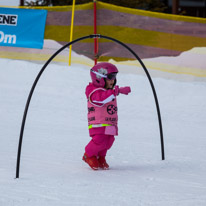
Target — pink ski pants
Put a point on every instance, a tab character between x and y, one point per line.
99	145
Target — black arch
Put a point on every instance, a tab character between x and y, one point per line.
44	67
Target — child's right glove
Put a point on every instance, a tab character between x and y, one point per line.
122	90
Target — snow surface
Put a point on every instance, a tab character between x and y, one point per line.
52	172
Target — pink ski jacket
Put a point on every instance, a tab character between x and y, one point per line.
102	110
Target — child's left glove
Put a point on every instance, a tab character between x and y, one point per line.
122	90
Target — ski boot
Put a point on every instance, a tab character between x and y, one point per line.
102	163
91	161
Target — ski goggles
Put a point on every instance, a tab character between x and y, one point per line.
110	76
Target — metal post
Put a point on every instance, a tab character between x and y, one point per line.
47	63
175	6
71	31
21	3
95	32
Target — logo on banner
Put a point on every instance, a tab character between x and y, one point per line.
7	38
22	27
8	19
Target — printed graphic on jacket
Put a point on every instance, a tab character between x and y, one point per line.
106	114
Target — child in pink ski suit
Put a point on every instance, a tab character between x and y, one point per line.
102	113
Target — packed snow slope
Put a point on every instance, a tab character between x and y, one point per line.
52	172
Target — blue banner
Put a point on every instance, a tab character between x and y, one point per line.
22	27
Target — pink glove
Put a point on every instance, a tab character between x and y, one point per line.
122	90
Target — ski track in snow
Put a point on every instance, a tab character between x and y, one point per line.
52	172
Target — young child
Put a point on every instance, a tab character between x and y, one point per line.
102	113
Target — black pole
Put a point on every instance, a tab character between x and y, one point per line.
44	67
30	96
175	6
153	90
21	3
